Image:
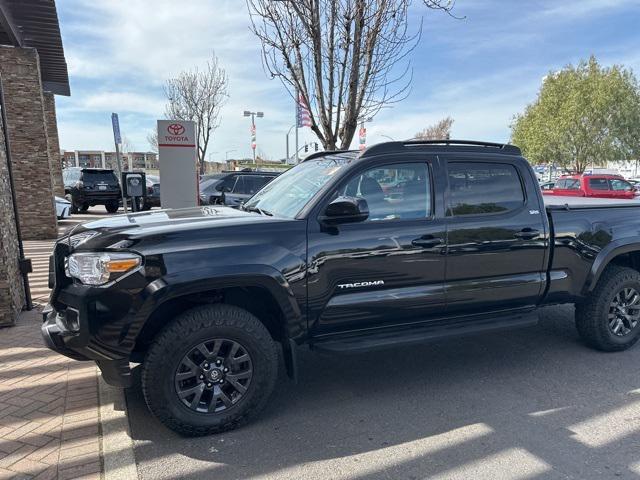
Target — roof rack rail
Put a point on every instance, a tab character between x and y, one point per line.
323	153
388	146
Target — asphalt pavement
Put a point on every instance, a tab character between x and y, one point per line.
533	403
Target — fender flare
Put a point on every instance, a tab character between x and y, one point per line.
604	258
192	281
168	288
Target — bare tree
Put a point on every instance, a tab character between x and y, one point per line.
438	131
152	140
347	59
198	96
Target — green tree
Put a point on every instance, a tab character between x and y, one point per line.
583	115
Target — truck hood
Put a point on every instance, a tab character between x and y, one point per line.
107	232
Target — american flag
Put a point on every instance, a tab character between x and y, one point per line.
303	113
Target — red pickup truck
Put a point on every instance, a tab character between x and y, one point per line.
599	186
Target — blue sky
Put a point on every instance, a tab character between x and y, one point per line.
480	70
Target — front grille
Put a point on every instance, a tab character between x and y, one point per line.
57	277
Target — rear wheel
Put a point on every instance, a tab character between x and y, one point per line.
84	207
209	370
73	208
609	319
112	206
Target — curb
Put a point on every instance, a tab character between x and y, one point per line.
119	462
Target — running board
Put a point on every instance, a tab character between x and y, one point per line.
418	333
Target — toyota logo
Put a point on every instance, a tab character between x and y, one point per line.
175	129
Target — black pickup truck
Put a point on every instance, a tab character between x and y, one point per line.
405	242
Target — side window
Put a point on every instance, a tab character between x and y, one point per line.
477	188
572	184
262	181
252	183
598	184
240	185
229	182
398	191
618	185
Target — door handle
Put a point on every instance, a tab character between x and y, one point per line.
426	241
527	233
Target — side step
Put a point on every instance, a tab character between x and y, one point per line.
418	333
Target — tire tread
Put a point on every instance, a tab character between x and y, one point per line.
190	323
589	322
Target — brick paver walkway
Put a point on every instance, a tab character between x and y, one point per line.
49	416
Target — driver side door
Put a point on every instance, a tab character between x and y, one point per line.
388	269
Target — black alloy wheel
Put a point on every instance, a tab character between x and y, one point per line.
624	312
214	375
209	370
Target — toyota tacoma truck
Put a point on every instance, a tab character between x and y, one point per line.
405	242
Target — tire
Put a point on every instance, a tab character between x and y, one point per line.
592	315
164	360
74	206
84	207
112	206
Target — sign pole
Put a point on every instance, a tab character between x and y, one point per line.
115	123
297	116
253	129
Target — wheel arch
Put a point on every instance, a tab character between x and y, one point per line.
265	297
624	253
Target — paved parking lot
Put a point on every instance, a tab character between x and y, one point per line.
531	403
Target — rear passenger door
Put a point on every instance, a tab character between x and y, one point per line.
495	235
598	187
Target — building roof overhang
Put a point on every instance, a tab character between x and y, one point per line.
34	24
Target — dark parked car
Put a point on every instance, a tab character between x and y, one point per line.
232	188
323	258
152	198
86	187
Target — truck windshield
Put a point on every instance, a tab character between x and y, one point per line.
287	195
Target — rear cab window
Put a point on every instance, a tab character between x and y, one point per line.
99	176
483	188
568	184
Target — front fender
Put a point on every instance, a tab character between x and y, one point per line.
206	279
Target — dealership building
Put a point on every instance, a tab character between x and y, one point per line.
33	70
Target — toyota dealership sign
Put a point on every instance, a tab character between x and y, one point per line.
178	163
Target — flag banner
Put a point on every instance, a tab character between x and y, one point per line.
303	113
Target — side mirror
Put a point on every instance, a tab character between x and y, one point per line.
345	210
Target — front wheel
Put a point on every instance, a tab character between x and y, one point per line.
609	319
210	370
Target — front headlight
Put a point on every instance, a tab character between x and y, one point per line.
98	268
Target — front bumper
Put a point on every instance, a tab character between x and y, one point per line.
58	337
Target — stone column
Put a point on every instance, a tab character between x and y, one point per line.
55	158
11	289
20	70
